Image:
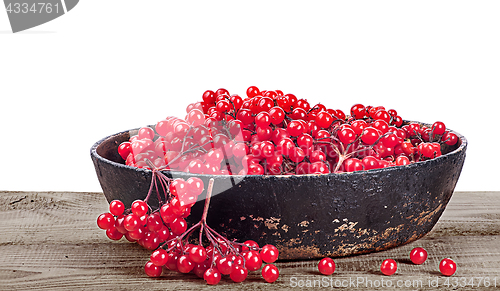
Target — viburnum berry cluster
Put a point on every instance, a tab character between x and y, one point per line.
148	227
165	231
272	133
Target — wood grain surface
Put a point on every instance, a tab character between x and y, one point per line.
50	241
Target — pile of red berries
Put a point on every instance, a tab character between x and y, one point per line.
418	256
165	231
272	133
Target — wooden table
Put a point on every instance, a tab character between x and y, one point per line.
50	241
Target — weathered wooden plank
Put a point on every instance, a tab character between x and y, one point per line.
49	241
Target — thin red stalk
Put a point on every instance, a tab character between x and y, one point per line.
179	238
225	240
151	186
207	200
200	238
187	232
164	182
211	238
157	193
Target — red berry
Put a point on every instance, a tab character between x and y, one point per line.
116	207
252	91
339	114
390	140
209	97
277	115
195	117
447	267
184	264
131	222
402	161
427	150
353	164
223	106
370	135
255	169
225	265
397	121
270	273
264	132
178	207
317	156
305	141
137	234
159	257
139	208
269	253
195	186
253	261
438	127
198	254
319	168
418	255
381	125
296	154
326	266
298	114
113	233
222	92
346	135
240	150
154	222
292	100
358	111
124	149
178	226
370	162
302	103
150	240
239	274
262	119
171	263
200	268
105	220
358	126
212	276
449	138
388	267
245	116
295	128
382	115
264	104
324	119
119	224
152	270
146	133
167	213
270	94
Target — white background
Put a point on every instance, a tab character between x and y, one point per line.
108	66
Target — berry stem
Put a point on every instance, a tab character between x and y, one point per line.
153	179
207	201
